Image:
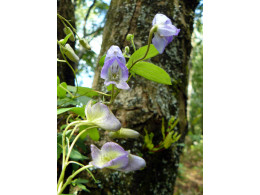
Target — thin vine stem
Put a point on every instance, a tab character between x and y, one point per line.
69	66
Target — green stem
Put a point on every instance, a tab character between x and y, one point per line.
61	60
112	94
72	176
67	91
101	93
62	18
64	157
74	129
74	141
69	66
153	29
133	44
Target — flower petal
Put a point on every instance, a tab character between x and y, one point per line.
107	82
100	115
167	30
88	110
115	155
135	163
159	43
115	51
104	71
122	85
124	70
161	19
169	39
96	156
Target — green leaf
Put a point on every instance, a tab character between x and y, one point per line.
83	187
62	110
75	155
140	53
109	87
102	60
59	151
64	41
61	93
58	80
92	133
152	72
83	91
78	110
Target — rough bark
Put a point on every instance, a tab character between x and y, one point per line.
147	102
65	9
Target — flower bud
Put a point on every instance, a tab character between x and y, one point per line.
67	31
124	133
69	52
129	37
126	49
84	43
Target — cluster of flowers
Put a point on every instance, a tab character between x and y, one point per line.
115	72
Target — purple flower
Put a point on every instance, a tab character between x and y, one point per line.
114	70
115	157
165	32
100	115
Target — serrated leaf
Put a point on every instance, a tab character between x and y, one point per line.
140	53
151	72
83	91
102	60
61	92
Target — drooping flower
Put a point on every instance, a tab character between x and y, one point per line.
114	70
124	133
165	33
113	156
100	115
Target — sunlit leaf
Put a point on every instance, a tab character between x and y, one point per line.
152	72
140	53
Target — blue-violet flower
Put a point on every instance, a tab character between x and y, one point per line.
165	33
100	115
113	156
114	70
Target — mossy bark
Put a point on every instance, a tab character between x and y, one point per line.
66	9
147	102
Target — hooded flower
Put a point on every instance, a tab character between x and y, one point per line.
124	133
100	115
114	70
165	32
115	157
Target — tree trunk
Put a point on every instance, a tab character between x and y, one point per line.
147	102
65	9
